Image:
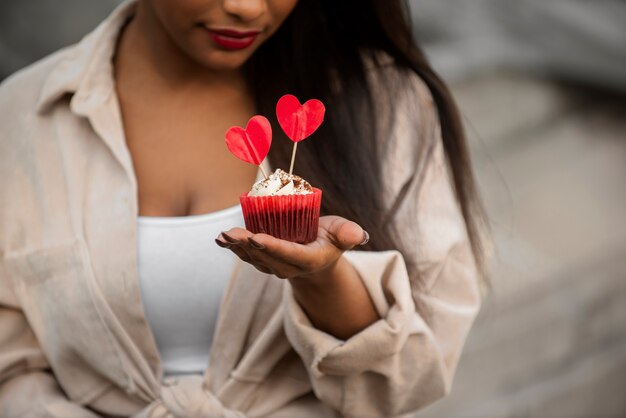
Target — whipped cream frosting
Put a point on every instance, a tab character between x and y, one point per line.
280	183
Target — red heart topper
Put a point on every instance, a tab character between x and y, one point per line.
299	121
253	143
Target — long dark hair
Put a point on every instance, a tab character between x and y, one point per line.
321	52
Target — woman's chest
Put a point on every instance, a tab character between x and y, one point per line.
180	160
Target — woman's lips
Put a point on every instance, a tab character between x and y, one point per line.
233	39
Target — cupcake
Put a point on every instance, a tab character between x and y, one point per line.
283	205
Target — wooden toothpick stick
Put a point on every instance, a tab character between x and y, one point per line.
263	171
293	157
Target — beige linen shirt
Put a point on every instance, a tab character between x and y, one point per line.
74	340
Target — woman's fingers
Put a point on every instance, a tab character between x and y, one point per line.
289	259
236	235
237	249
254	255
278	267
345	234
262	269
306	257
337	234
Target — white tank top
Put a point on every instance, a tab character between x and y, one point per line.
183	275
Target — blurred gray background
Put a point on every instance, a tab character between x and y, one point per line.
542	86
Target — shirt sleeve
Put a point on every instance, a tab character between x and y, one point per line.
407	359
28	389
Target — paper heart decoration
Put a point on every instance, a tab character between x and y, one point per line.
299	121
253	143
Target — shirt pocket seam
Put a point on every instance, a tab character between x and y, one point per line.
40	264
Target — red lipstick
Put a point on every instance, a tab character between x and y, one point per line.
233	39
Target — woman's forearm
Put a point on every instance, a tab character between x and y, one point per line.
336	300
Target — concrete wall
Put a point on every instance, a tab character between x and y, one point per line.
31	29
575	39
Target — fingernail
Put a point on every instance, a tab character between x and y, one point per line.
256	245
222	244
229	238
366	238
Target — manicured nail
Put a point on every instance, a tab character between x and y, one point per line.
229	238
222	244
256	245
366	238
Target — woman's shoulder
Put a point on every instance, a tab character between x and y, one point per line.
19	117
407	119
403	101
20	91
401	96
384	72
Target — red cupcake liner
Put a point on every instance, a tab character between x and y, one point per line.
291	217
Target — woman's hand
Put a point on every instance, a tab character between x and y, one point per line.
324	283
289	260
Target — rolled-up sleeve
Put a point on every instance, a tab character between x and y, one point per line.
407	359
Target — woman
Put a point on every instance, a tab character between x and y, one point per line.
114	177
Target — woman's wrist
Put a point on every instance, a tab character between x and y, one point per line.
319	279
335	300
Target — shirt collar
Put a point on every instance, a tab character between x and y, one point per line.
86	72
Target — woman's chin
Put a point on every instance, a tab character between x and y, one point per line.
223	60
